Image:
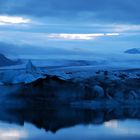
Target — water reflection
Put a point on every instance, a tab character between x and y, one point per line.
41	120
63	122
88	132
41	110
59	117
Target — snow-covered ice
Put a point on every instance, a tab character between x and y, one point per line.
64	69
27	75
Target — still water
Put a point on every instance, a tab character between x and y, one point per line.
70	124
113	130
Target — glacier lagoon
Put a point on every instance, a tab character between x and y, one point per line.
91	104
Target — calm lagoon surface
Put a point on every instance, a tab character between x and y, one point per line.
114	130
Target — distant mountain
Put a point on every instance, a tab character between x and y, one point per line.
18	50
4	61
133	51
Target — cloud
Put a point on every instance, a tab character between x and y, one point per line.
13	20
125	28
116	11
112	34
80	36
29	25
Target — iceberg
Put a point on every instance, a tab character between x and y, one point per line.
27	75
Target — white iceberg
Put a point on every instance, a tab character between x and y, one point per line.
27	75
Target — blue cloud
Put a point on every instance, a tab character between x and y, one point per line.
118	11
68	17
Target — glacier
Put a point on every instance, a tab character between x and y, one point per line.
80	87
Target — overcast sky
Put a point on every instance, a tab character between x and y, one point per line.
69	25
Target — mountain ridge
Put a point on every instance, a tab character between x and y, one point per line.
4	61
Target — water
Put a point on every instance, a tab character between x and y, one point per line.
113	130
70	124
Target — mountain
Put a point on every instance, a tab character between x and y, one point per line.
4	61
133	51
39	50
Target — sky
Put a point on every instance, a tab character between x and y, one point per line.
69	27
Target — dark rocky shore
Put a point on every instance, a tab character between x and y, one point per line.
105	89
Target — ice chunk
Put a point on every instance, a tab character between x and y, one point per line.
30	68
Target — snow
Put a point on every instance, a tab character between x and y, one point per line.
25	78
65	69
27	75
61	74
